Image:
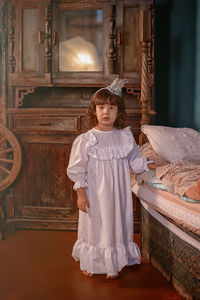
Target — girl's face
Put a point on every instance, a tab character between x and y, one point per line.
106	115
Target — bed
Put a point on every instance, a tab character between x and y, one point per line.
170	205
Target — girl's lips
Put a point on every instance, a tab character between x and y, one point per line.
105	118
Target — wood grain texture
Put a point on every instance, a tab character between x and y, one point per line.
47	109
178	261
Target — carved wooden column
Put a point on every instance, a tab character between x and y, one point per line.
144	90
11	40
3	12
47	39
147	67
112	40
3	95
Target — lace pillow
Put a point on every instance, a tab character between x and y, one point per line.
148	152
174	144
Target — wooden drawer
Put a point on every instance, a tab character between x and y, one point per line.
45	123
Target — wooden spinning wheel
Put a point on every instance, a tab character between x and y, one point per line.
10	158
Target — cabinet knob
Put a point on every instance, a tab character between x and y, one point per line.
119	38
40	37
54	38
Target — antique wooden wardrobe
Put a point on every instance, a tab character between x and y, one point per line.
54	55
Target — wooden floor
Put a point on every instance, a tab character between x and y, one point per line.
37	265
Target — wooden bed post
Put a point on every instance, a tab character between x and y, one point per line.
146	39
2	95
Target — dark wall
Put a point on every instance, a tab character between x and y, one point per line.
176	78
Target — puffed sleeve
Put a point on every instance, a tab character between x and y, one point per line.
77	167
137	163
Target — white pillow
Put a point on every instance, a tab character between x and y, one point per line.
174	144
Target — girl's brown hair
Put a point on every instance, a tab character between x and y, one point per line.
104	96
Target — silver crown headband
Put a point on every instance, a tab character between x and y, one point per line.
115	87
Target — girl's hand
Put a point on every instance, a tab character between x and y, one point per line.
82	201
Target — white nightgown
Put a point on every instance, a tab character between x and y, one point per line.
101	161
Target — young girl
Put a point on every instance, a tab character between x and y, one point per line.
100	164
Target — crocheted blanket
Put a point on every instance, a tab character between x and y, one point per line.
179	176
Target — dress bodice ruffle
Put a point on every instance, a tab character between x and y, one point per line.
108	145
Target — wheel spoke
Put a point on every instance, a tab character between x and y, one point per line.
10	158
7	150
2	140
10	161
4	169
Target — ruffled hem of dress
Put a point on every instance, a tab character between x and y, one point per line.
105	260
126	145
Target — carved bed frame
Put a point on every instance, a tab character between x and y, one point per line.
175	259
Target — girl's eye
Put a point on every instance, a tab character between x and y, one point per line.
112	107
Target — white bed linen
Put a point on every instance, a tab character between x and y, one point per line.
154	203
